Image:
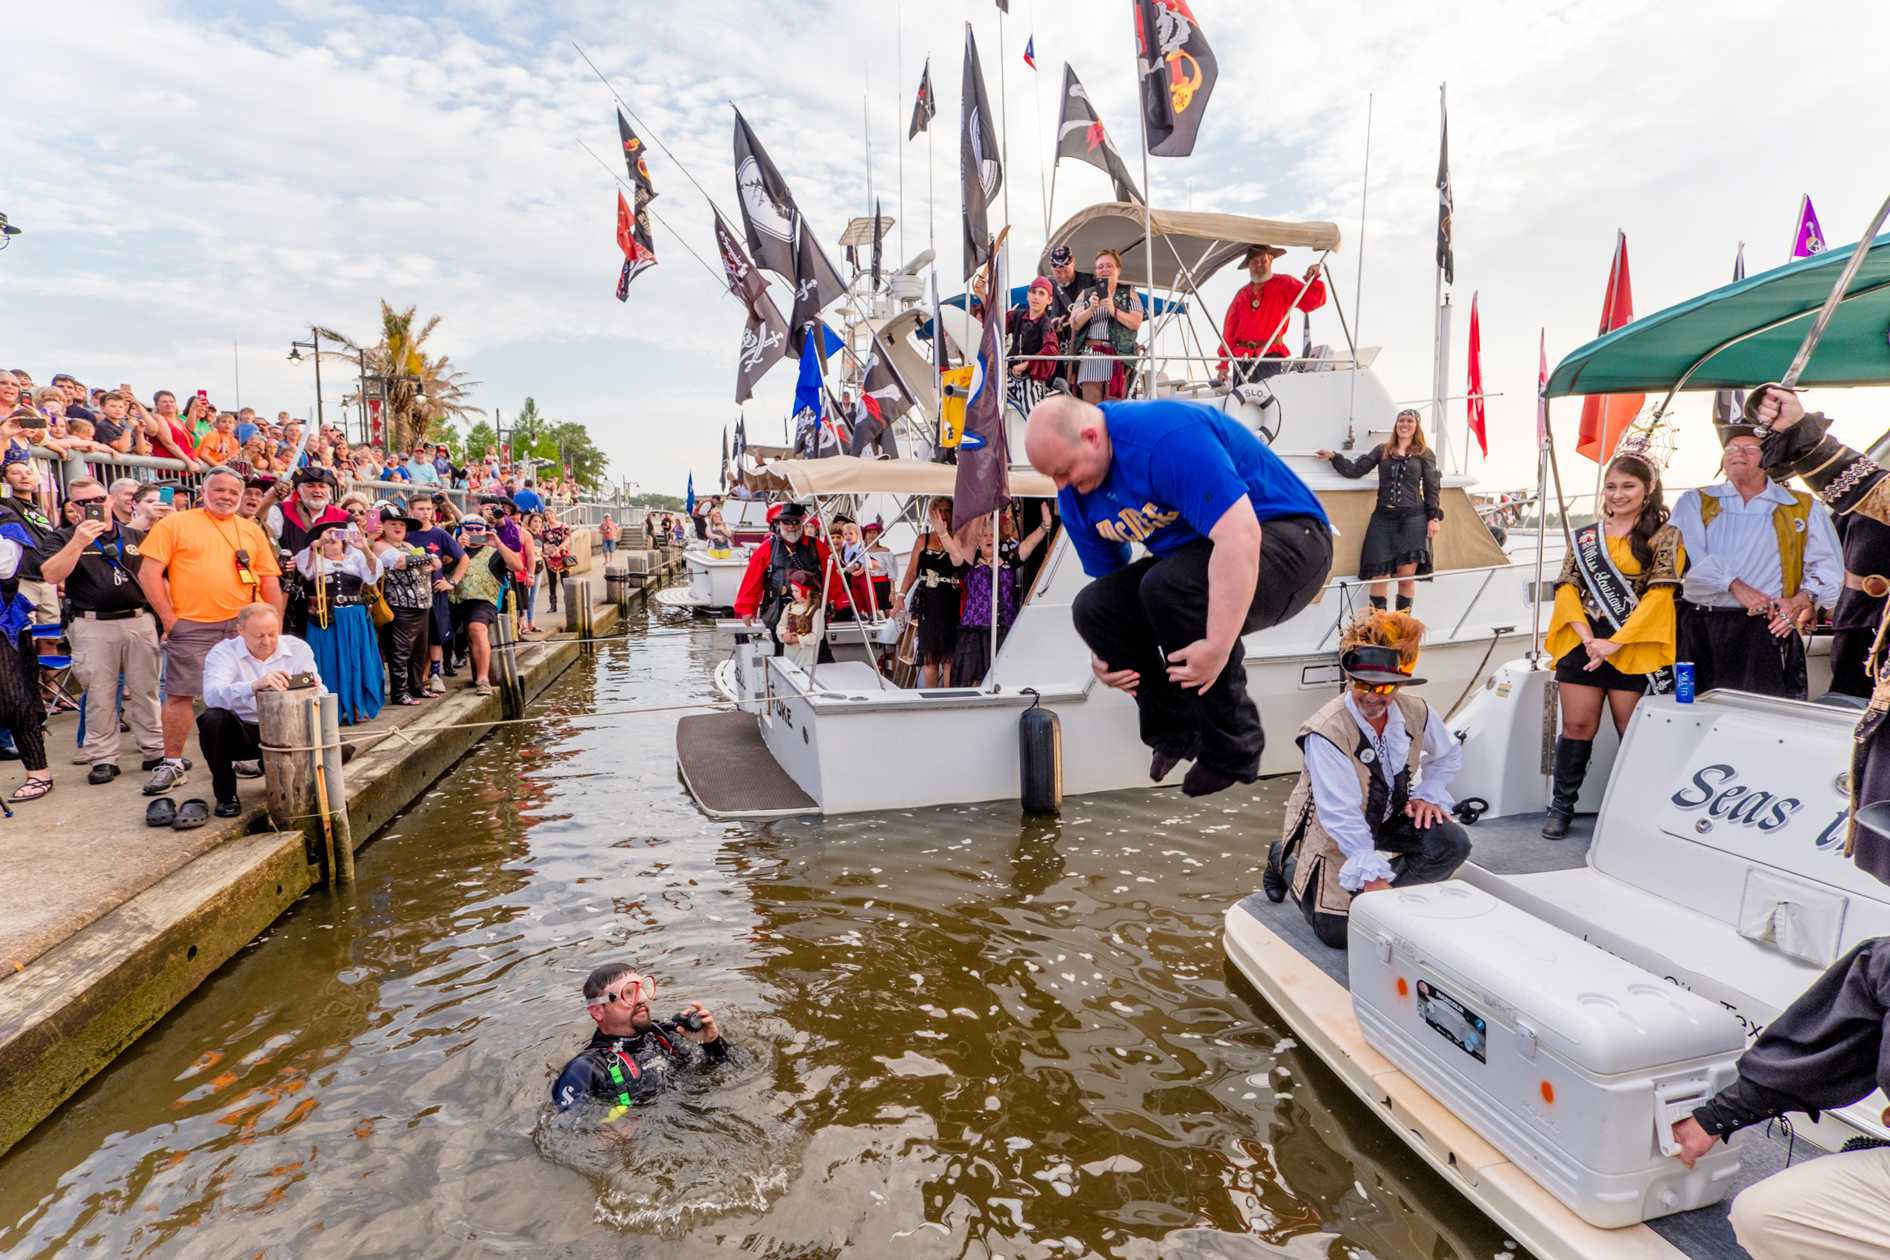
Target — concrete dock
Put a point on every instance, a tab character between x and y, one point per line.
106	924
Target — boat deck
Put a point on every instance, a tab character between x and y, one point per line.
729	771
1322	1016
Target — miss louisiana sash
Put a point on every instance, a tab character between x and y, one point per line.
1611	593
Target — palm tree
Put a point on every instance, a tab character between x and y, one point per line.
422	390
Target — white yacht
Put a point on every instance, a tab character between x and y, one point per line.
818	740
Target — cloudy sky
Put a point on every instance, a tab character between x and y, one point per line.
201	181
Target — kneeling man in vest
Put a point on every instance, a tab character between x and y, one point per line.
1377	781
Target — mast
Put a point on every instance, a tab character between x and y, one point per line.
1148	197
1358	282
1004	112
899	77
1440	329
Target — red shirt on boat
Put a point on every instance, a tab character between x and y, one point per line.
1252	317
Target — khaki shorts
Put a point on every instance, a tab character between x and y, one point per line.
184	649
45	597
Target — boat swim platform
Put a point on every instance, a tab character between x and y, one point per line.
729	771
681	599
1304	981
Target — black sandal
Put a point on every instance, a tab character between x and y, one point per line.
31	790
194	812
161	812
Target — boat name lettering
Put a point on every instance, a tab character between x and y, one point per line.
1713	789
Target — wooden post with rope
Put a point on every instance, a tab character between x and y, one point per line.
302	777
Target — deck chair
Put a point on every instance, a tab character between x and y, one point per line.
55	671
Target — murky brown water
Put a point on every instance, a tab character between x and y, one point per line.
966	1035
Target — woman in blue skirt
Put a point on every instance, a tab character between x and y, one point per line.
339	571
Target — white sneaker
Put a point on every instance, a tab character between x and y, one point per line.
436	685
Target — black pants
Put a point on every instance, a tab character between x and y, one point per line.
1849	651
1131	618
1728	648
407	651
1250	371
1429	856
552	583
22	708
226	739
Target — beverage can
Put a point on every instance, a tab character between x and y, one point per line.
1683	681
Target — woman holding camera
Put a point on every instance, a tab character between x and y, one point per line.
1612	634
1105	321
337	569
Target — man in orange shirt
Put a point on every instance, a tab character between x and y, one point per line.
199	569
1256	318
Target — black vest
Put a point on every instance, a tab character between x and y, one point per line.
783	560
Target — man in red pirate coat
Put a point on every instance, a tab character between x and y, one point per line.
764	590
1256	318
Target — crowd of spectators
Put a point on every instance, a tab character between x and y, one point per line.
182	589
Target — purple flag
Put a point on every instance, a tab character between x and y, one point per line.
1810	237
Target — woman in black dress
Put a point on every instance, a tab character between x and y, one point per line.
935	569
1407	515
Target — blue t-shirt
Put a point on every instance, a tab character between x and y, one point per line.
396	472
1175	469
244	430
528	500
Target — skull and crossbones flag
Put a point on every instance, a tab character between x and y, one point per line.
1178	74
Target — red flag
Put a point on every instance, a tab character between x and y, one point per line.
626	230
1605	417
1476	379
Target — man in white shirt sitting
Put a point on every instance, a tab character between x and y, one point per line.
261	658
1759	556
1370	787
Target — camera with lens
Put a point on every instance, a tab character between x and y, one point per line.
686	1019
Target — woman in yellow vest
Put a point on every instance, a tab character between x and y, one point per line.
1613	632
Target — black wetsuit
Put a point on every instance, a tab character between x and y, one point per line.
627	1071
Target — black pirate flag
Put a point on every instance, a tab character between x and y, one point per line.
1178	74
633	158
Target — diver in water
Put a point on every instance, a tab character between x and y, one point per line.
632	1056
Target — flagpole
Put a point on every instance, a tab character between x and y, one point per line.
1438	432
1148	197
1358	281
899	70
1004	108
1036	92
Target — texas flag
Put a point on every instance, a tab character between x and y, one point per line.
1030	52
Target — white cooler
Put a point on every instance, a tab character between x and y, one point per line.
1568	1060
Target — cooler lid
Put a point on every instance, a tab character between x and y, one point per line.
1601	1014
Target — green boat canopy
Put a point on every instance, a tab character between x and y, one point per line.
1747	333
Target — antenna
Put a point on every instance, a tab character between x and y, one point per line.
1358	279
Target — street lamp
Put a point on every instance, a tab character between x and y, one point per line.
295	356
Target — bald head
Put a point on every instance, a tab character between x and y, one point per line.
1067	440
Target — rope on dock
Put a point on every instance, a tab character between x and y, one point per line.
406	733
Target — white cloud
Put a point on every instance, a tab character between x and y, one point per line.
189	179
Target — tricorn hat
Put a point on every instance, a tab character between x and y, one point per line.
314	473
1737	428
790	513
1376	666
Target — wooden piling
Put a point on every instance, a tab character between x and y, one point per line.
505	663
304	785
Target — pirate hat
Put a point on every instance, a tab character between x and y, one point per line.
1254	251
788	514
1737	428
315	535
315	473
1377	666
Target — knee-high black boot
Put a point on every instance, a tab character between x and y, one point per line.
1404	603
1378	602
1571	767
